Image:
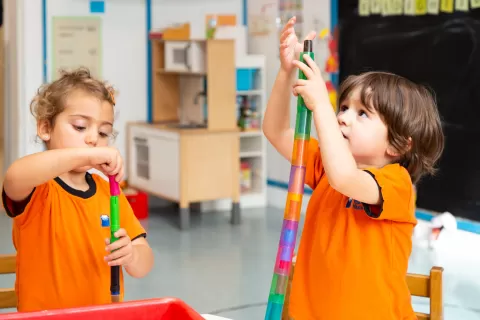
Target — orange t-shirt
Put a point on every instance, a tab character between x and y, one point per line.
60	243
353	257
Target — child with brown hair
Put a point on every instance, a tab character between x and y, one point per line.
357	237
63	256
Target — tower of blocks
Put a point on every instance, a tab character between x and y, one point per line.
293	205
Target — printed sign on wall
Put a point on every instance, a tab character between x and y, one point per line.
76	42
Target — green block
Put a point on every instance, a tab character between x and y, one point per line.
276	298
303	123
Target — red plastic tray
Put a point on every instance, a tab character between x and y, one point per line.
152	309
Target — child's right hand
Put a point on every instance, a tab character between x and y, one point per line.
108	160
290	47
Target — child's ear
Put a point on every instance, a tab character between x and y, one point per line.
43	130
393	152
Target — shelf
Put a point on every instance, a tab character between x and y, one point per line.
251	154
255	92
184	73
251	133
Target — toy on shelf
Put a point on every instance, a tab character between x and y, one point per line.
245	176
114	227
249	119
293	206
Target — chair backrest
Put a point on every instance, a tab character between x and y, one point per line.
430	286
419	285
8	297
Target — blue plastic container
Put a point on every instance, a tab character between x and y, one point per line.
246	79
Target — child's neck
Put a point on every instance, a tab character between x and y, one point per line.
375	163
76	180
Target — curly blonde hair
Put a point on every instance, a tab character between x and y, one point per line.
50	99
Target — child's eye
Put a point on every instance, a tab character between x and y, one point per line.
362	113
104	135
343	108
79	128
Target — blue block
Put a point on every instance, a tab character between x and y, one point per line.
274	311
97	6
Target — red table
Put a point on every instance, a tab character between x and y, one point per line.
152	309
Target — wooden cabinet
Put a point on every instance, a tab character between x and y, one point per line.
190	153
184	165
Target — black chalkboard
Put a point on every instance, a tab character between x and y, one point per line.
442	52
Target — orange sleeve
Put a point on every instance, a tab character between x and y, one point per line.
314	166
21	211
129	221
396	191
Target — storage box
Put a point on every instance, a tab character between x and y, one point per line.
138	201
246	79
152	309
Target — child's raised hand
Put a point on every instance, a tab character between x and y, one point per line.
290	47
108	160
124	250
313	90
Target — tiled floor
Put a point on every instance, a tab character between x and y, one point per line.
223	269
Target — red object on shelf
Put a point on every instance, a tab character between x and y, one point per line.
138	201
152	309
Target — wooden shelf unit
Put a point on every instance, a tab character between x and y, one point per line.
185	164
172	89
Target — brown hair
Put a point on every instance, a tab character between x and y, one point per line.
51	97
409	110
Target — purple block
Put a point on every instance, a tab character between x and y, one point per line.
287	253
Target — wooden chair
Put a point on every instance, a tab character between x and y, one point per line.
419	285
8	297
430	286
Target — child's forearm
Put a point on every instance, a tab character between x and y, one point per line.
32	170
337	159
276	123
143	261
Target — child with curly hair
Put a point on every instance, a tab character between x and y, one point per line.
357	237
63	253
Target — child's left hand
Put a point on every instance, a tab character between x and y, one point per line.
124	249
313	90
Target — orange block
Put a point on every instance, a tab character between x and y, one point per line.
299	157
293	207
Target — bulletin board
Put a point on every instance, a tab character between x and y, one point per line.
435	43
76	42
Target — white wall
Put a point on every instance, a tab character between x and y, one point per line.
167	12
316	17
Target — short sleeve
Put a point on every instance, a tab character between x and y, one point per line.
129	221
314	166
22	210
396	191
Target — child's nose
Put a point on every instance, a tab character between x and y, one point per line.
91	139
344	118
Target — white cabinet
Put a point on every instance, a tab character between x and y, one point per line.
154	161
185	165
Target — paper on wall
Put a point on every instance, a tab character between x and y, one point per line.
76	42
